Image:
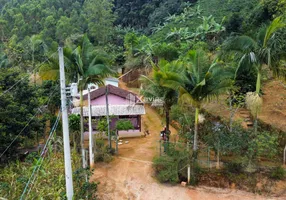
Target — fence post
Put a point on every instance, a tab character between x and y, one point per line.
189	173
116	136
160	146
189	166
209	158
284	156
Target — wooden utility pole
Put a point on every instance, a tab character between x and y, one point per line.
91	155
67	154
107	117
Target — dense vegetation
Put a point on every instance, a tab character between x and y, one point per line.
195	49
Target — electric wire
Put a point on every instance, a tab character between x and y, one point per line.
27	124
38	166
26	76
42	154
40	160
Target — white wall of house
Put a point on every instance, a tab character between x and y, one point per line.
111	81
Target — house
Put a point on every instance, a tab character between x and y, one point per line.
122	105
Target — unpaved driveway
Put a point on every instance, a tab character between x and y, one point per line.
130	175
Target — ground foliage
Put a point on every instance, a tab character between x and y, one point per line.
50	179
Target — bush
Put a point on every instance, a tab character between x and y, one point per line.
172	166
83	187
103	153
234	167
197	172
166	169
278	173
124	124
32	157
166	51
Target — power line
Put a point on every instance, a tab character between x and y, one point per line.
27	124
40	160
10	88
19	134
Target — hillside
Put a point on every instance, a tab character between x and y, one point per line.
273	110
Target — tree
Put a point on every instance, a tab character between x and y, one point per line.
34	48
100	18
198	82
74	124
3	28
17	108
154	87
179	34
209	28
219	140
258	52
166	51
139	51
90	67
234	101
64	29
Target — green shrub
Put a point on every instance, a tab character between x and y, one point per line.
86	188
103	153
166	169
196	172
124	124
234	167
28	143
278	173
32	157
166	51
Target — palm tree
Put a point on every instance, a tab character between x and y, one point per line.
34	44
154	87
85	65
258	52
198	81
91	67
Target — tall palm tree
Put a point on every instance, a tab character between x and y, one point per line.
35	43
83	64
198	81
154	87
258	52
91	67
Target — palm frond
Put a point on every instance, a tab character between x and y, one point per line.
98	70
186	98
47	72
240	44
276	24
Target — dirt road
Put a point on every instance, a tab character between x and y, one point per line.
130	175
